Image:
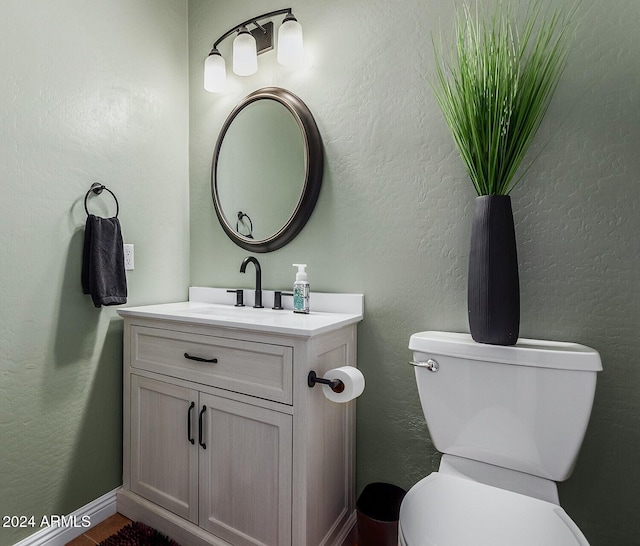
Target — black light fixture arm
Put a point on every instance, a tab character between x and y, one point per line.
253	20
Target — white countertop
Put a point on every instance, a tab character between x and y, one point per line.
337	310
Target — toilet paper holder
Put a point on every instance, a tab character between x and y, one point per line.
335	384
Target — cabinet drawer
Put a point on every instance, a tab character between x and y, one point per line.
256	369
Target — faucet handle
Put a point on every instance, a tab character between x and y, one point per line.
239	296
277	299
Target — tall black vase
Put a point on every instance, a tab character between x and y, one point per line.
494	288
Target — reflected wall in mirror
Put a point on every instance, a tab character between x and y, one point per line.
267	170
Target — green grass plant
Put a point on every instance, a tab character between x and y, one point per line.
494	89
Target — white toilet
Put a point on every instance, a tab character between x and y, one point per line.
509	422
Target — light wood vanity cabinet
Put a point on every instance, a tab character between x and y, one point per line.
238	439
236	451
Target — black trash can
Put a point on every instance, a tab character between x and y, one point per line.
378	509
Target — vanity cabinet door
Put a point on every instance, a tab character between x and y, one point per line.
245	473
164	462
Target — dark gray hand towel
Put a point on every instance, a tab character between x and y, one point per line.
103	275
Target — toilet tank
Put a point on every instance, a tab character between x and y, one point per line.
525	407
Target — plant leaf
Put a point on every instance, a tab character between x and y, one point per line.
496	88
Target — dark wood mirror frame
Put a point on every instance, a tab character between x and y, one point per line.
313	172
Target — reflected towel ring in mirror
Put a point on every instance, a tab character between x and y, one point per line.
97	189
268	159
241	220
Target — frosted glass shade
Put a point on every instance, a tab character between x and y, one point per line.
290	45
245	57
215	73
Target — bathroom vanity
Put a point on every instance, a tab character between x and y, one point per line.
224	441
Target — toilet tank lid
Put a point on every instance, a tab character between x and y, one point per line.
527	352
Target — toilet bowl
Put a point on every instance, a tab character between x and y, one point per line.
447	510
510	422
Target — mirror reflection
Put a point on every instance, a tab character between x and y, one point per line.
267	170
261	169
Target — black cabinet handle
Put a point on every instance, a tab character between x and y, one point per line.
200	359
193	405
204	446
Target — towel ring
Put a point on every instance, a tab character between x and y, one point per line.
97	188
241	217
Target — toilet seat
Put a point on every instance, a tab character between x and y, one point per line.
446	510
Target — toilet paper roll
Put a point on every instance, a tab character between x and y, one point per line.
353	384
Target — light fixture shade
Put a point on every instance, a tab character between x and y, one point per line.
290	45
245	57
215	72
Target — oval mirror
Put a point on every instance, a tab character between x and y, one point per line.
267	170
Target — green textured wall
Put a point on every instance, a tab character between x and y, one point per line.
98	91
393	220
88	91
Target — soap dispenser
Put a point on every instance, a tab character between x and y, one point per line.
301	290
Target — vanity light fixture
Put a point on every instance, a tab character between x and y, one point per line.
245	56
290	42
248	44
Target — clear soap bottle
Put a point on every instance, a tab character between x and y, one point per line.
301	290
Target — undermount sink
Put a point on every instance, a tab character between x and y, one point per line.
237	312
214	307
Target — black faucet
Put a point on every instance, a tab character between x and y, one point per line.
256	263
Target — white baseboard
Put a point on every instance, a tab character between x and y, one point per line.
96	512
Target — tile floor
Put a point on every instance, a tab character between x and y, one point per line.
113	524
